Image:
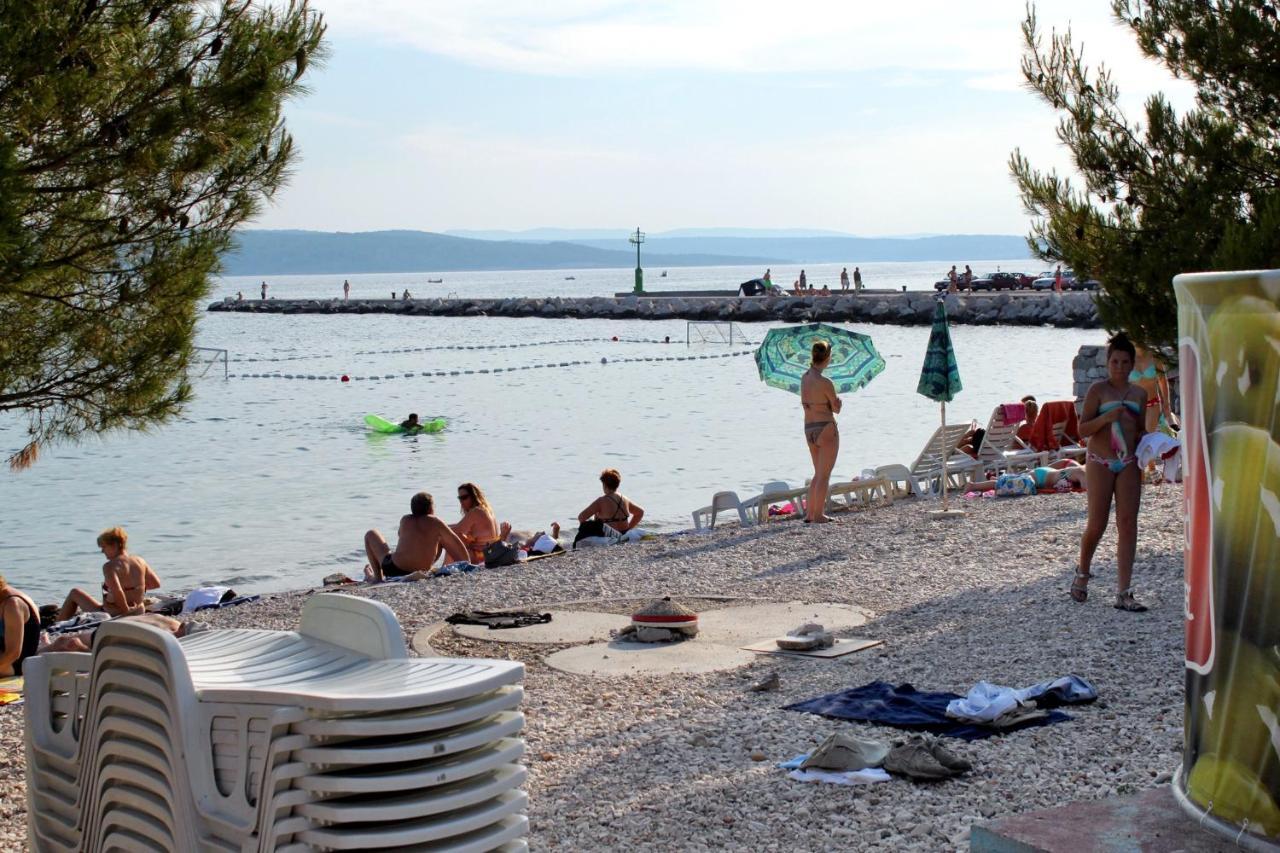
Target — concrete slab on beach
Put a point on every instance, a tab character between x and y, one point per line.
1148	822
622	659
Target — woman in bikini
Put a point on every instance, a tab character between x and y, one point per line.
126	578
611	510
19	629
1150	377
1112	422
478	527
820	403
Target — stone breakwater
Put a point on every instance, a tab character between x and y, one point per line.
1068	310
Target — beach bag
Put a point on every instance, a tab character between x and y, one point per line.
500	554
1013	485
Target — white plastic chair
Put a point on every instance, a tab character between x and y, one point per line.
272	740
773	492
721	502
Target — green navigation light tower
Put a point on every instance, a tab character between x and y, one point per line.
638	238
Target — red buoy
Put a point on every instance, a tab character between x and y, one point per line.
346	378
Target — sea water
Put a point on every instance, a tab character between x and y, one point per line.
271	483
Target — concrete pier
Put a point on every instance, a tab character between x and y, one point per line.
1069	310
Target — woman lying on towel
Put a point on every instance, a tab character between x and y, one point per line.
1065	475
610	515
82	641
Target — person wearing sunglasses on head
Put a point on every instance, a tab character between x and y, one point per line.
478	527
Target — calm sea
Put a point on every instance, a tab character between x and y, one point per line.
270	483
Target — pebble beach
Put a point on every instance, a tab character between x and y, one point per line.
688	762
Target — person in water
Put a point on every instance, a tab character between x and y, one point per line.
820	403
126	578
611	510
19	629
411	423
477	527
419	542
1113	424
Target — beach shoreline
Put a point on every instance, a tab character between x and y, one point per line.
668	760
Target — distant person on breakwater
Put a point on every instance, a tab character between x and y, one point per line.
857	279
768	279
406	297
951	280
795	287
239	296
611	514
478	527
844	279
420	540
346	289
1057	279
968	278
264	290
804	282
826	291
125	581
820	403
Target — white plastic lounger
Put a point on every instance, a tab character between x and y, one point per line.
860	491
774	492
242	740
721	502
929	468
1001	451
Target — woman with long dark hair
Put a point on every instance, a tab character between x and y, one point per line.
1113	423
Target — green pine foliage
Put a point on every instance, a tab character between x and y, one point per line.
1171	193
135	135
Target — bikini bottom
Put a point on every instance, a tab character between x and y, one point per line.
813	430
1115	466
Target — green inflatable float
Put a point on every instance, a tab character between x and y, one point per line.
382	425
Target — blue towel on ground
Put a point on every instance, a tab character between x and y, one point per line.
904	707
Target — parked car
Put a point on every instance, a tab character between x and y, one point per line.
1004	281
1045	282
1085	284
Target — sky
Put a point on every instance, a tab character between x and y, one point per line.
874	119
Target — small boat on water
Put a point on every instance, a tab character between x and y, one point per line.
664	273
571	278
435	280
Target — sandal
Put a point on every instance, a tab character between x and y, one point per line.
1079	590
1125	601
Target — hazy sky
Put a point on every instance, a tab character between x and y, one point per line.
884	118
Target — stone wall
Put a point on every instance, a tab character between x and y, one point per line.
1090	365
1070	310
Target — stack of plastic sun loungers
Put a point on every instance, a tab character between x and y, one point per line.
328	738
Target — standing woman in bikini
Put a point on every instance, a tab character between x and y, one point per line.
820	403
1150	377
1112	421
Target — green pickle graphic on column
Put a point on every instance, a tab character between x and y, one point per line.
1229	364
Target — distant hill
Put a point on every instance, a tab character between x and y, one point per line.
581	235
952	248
320	252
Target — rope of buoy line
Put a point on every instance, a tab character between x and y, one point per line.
428	374
454	347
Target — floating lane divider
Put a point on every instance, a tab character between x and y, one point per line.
429	374
456	347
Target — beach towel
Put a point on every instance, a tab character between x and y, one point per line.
498	619
904	707
1043	437
10	690
205	596
1014	413
230	602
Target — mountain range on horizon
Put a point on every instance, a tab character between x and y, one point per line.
297	252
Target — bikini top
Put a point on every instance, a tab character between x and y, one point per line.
622	508
1149	373
1132	405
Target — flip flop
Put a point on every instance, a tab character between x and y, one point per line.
1080	591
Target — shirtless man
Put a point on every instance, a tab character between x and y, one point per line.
421	538
126	578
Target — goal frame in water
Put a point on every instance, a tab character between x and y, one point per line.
211	356
714	332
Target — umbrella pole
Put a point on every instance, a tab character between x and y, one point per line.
942	441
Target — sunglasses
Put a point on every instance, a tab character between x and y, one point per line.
466	497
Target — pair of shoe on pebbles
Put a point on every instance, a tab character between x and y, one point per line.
924	759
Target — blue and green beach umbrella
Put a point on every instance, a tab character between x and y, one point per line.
940	377
784	356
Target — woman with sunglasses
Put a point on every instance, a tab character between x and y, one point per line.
478	527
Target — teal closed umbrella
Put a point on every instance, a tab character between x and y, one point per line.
940	379
784	355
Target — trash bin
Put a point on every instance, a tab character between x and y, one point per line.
1229	360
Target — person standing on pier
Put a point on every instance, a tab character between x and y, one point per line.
857	279
264	290
768	279
951	280
804	282
844	279
346	289
1057	279
968	278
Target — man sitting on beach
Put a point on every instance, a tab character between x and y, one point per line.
125	581
421	538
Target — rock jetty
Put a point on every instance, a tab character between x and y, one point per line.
1068	310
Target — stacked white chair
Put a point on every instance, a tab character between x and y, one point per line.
328	738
